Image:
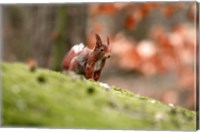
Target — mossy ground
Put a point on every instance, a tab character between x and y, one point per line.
45	98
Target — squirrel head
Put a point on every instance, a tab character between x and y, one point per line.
103	50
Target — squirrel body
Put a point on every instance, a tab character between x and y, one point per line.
87	62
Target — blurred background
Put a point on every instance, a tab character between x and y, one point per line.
153	45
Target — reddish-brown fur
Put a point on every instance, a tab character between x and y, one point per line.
86	60
67	59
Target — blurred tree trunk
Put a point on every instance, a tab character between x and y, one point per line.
29	32
60	36
40	34
70	30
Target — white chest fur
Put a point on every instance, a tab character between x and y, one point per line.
98	65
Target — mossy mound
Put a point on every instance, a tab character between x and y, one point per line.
44	98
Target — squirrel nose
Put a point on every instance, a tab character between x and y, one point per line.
108	56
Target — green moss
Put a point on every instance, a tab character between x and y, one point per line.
46	98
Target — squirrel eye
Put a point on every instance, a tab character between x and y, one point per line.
101	49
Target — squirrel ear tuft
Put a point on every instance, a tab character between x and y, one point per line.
98	40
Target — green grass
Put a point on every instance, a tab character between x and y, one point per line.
45	98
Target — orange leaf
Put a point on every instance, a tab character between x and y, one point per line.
107	8
130	22
168	10
32	63
131	59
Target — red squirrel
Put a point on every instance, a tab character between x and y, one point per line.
87	62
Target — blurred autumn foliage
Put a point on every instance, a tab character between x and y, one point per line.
168	46
153	44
